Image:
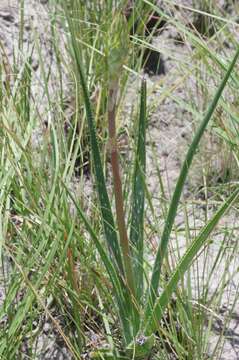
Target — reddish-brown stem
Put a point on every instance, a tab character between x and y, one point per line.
124	242
72	270
72	275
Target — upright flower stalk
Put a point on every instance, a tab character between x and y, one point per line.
119	203
116	53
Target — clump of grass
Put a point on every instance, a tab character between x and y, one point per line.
89	270
137	324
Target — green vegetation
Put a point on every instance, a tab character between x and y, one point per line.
84	263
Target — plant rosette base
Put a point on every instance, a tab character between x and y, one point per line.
107	354
141	347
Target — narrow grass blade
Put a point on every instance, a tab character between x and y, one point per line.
107	217
185	263
33	293
138	198
179	187
120	291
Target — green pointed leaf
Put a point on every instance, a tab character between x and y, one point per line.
138	197
162	249
107	216
185	263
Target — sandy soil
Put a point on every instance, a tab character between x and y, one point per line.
170	130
